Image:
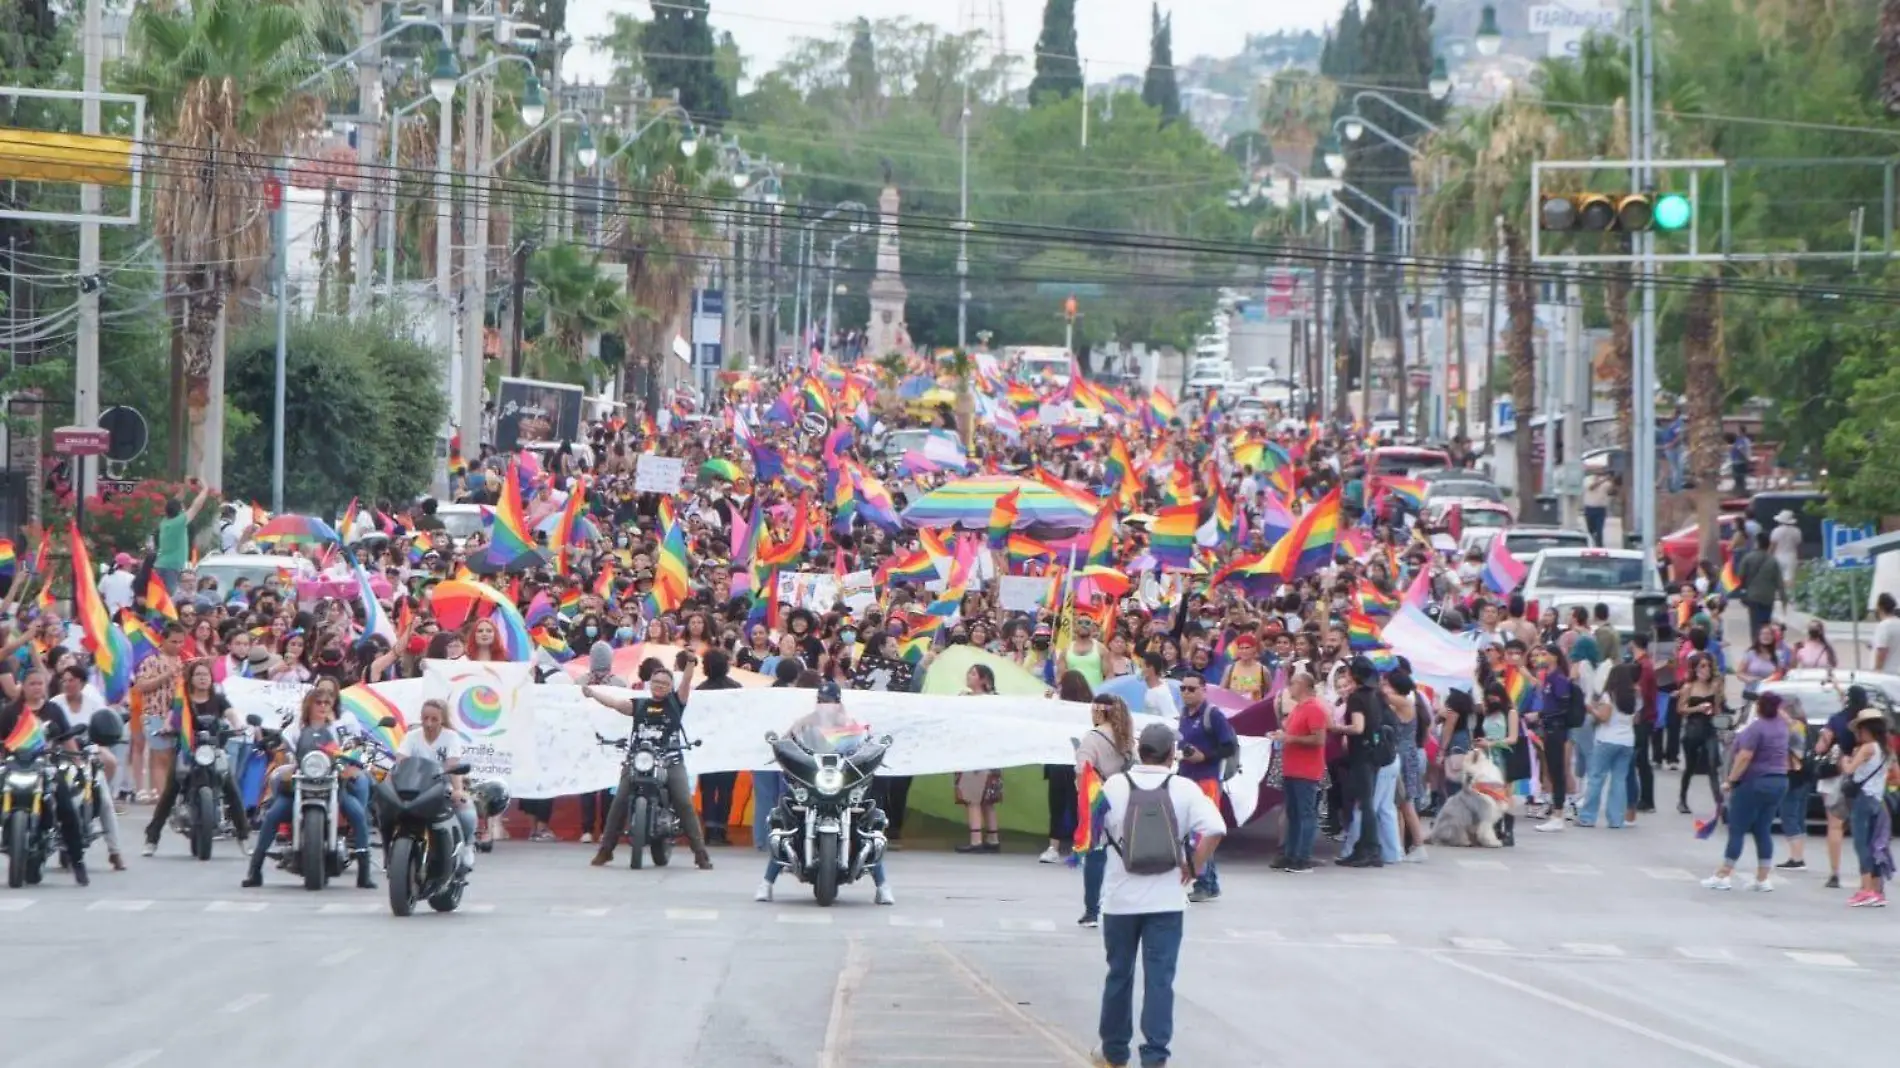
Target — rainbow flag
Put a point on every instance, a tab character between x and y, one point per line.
1409	490
670	571
9	559
1728	583
141	638
1501	573
919	637
812	391
1362	631
561	541
1023	549
1517	686
875	504
1088	795
604	581
918	566
785	553
1180	488
546	640
158	602
1161	407
1276	519
367	709
1226	517
510	532
1355	543
27	737
111	652
1101	544
1374	601
1082	498
1003	518
1118	474
1309	545
1171	535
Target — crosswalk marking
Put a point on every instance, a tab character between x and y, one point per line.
898	919
1592	949
810	919
1482	945
237	906
347	908
1574	869
1677	874
1822	960
1256	936
580	910
1705	953
119	905
1367	939
1483	865
480	910
693	915
1039	926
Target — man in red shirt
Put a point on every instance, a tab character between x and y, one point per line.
1302	765
1642	792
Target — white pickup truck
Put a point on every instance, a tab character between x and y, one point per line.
1559	578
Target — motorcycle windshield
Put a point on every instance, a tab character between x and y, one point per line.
853	742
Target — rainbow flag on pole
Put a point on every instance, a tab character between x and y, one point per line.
1171	535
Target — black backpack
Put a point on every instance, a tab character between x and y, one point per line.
1573	708
1384	747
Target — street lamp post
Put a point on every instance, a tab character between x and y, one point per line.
803	306
1365	311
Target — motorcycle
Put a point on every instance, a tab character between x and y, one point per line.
202	769
28	832
424	846
490	797
826	829
313	841
651	822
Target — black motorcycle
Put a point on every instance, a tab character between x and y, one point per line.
201	771
826	829
28	832
423	854
651	822
312	843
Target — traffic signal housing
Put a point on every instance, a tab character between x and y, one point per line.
1614	213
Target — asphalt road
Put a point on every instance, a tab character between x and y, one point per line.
1580	949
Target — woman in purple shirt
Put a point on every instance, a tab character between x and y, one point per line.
1757	779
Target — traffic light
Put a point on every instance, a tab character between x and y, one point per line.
1618	213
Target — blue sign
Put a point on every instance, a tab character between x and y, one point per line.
1834	536
1507	414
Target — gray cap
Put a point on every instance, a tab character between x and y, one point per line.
1156	743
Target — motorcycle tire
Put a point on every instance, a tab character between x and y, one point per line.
638	828
660	848
316	868
36	865
19	845
204	827
449	899
824	876
405	873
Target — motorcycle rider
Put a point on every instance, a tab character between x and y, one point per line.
662	710
81	702
436	742
314	730
829	717
205	706
32	703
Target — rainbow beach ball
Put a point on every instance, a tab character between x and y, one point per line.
478	709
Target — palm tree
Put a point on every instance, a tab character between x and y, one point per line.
224	81
579	304
1296	108
1702	358
662	243
1889	45
962	369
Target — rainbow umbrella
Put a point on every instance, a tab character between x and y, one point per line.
295	530
722	468
584	528
967	503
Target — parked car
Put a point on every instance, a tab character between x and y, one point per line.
1407	461
1562	576
226	569
1473	516
1683	549
1821	693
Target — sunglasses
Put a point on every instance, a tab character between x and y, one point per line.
1190	689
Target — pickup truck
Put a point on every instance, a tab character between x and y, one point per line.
1559	578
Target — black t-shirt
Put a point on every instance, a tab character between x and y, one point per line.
724	682
658	720
1371	707
51	716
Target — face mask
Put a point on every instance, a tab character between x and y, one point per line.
624	634
593	632
849	637
1701	584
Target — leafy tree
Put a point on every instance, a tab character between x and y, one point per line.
361	404
1058	71
579	303
860	66
624	45
680	55
1159	90
1339	57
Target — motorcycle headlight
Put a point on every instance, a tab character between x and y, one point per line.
857	796
798	794
643	762
828	780
205	756
21	780
313	766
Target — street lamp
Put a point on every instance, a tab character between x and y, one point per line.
584	151
1344	124
533	110
1440	84
689	141
1489	38
1353	127
1332	155
443	79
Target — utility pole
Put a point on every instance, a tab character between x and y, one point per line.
364	204
475	259
1576	404
1644	431
444	265
280	283
1491	348
558	175
86	354
963	221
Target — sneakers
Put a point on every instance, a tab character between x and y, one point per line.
1098	1059
1792	865
1416	856
884	895
1833	883
150	849
1551	825
1050	856
1298	867
1761	886
763	893
1279	863
1867	899
1199	896
1717	882
1089	919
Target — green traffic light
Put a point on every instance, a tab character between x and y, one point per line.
1672	212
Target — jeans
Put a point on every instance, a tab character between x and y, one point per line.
1863	820
353	799
169	797
1593	519
1157	937
1207	880
1385	816
767	787
1758	615
1642	777
1751	811
892	793
678	790
1094	870
1302	819
1556	768
169	576
1608	761
1793	813
715	791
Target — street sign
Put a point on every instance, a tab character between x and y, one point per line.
1835	535
1507	415
128	430
115	486
81	441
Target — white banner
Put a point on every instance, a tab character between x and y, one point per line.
653	473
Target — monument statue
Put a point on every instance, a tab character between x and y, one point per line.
887	331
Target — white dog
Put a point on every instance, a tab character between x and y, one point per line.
1470	816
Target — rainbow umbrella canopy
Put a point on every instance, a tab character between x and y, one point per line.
967	502
721	468
295	530
584	527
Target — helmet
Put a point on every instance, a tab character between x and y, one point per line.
106	728
491	797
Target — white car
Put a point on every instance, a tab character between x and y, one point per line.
1525	542
1562	577
461	520
227	568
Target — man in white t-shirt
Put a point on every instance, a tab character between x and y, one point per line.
1886	634
1143	915
1159	700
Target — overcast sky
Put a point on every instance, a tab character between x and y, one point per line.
1112	35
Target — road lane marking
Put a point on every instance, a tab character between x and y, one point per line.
899	920
339	957
1038	926
692	915
810	919
1822	960
238	1005
1482	945
1677	874
1256	936
237	906
133	1060
1704	953
837	1025
1070	1053
121	905
1600	1016
1367	939
1591	949
1484	865
339	908
1573	869
580	910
